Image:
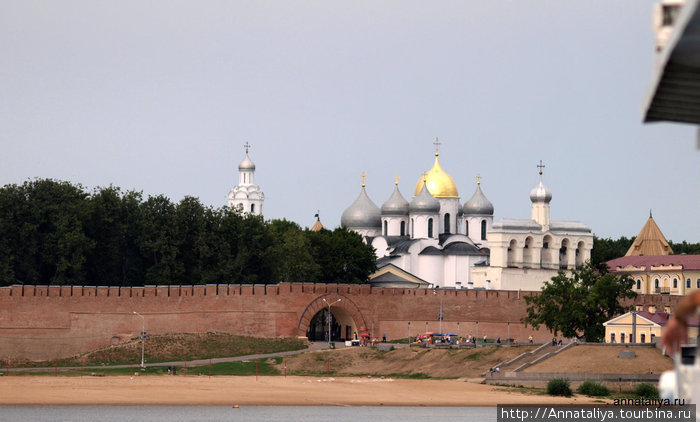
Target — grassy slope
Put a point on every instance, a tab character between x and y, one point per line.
177	347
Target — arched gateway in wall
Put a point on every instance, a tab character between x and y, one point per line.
349	320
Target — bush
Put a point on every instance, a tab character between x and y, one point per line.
646	391
592	388
559	387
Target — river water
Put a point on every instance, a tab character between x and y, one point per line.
244	413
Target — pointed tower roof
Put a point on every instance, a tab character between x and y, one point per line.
318	226
650	241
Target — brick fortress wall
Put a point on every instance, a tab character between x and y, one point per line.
47	322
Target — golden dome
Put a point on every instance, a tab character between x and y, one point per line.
440	184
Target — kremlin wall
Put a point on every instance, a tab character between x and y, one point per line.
48	322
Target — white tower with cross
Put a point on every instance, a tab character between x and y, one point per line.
246	196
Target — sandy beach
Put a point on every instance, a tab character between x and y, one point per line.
247	391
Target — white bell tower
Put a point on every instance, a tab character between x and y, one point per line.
246	196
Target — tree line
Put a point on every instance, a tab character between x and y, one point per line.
55	232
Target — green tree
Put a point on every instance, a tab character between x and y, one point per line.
342	256
160	241
292	250
605	249
579	304
685	248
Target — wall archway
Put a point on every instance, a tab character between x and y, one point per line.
346	312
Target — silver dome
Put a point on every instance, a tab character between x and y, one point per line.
424	202
478	204
541	193
246	164
363	213
396	204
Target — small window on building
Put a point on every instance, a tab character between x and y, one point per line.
447	223
622	337
430	227
656	283
252	208
698	285
483	229
403	228
466	233
687	283
612	337
639	284
642	338
386	228
675	283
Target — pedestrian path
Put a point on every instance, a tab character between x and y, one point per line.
315	346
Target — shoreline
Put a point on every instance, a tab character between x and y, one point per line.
265	391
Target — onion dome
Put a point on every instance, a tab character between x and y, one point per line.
478	204
396	204
424	202
438	181
540	193
247	163
363	213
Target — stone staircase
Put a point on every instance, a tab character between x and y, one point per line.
528	359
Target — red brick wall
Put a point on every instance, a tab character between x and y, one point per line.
46	322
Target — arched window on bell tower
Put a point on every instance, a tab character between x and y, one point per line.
447	223
430	227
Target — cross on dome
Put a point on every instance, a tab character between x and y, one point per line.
437	146
247	145
478	179
396	178
363	178
540	166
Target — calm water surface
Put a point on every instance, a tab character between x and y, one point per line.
244	414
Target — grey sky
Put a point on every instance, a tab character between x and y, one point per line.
160	96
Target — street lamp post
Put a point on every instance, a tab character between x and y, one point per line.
440	314
329	318
143	337
409	333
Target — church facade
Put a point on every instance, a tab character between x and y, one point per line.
246	196
437	239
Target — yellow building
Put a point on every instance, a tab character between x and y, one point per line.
649	326
652	267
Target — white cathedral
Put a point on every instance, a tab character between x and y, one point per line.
246	195
435	241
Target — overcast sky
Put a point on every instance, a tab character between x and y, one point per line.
160	96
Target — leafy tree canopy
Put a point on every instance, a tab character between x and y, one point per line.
54	232
579	304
